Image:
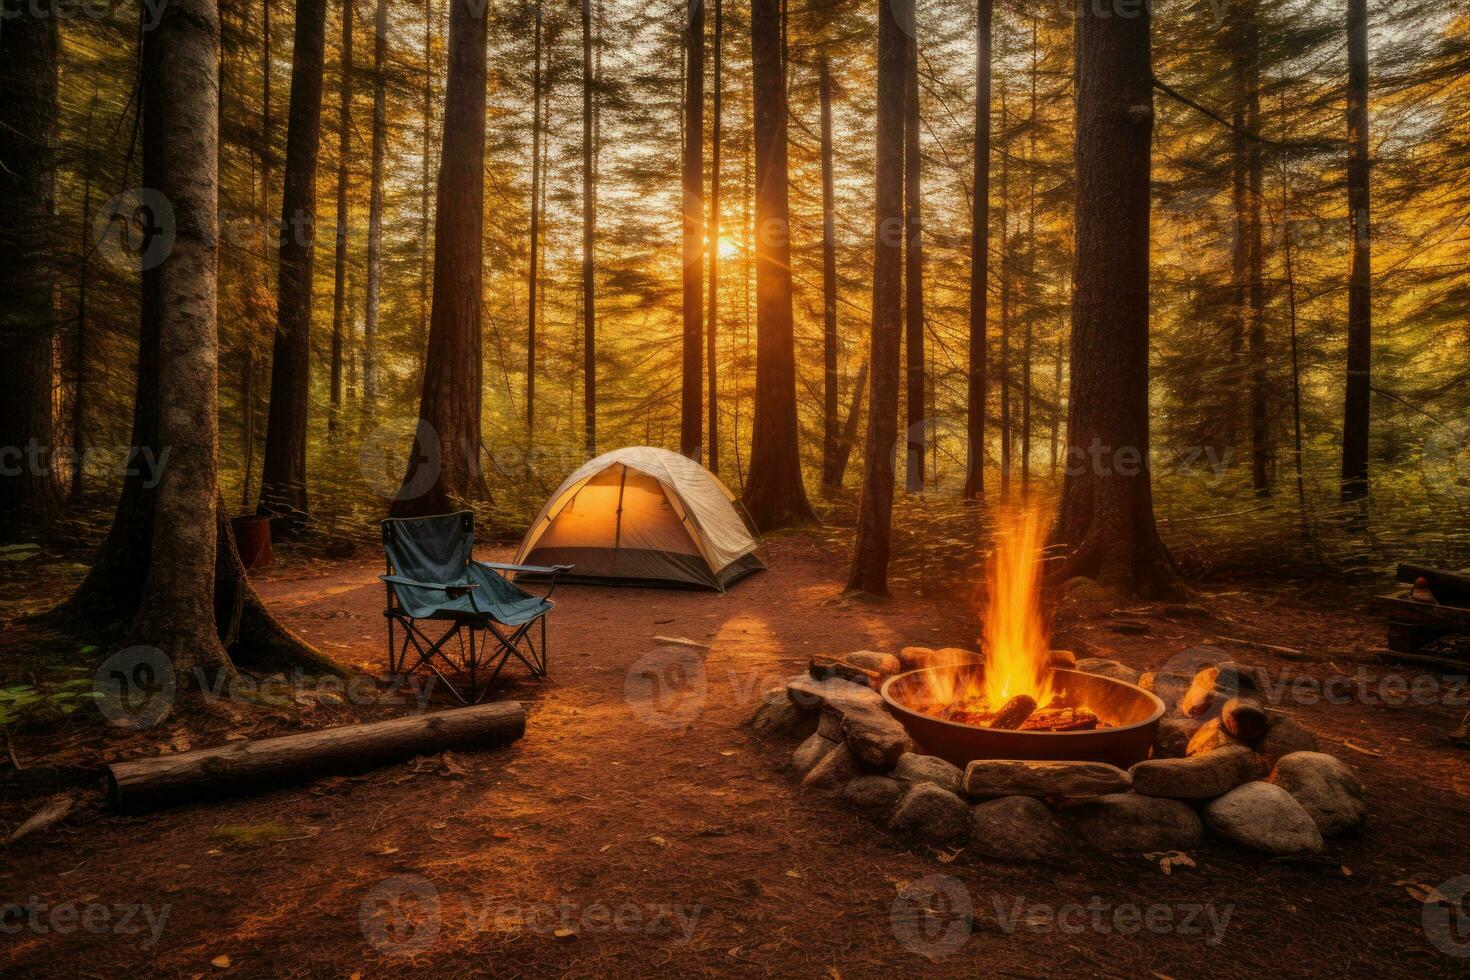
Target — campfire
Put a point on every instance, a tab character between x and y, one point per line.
1015	691
1022	701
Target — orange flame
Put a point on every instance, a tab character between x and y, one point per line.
1017	643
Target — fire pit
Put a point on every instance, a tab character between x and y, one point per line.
1127	719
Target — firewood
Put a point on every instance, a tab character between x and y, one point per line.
248	767
824	668
1061	720
1245	719
1014	713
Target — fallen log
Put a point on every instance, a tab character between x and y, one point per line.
1450	588
241	768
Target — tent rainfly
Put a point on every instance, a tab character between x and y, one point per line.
643	516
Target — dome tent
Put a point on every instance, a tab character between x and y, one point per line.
643	516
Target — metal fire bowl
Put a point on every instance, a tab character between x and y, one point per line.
1133	712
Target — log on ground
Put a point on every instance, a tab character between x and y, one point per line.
241	768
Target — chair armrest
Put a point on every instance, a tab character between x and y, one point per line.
437	586
533	569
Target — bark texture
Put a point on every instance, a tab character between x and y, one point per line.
1357	401
589	238
1105	526
691	417
979	260
869	572
339	278
30	496
283	477
774	492
913	275
831	477
444	471
375	213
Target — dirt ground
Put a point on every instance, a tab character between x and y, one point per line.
638	829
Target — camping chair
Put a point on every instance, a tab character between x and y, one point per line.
433	576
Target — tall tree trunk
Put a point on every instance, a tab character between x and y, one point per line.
774	494
1007	440
265	150
283	480
444	470
979	260
30	496
1357	399
831	479
375	214
1289	258
1256	338
1105	525
691	419
589	233
913	272
533	274
168	571
717	135
849	435
79	404
869	572
339	286
1033	288
421	341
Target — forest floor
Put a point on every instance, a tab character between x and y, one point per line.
644	831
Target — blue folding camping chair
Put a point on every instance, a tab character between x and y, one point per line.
434	577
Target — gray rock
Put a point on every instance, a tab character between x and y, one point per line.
1283	738
1004	777
830	724
1109	668
1326	789
934	815
1211	736
873	792
814	695
1198	777
884	663
1170	688
875	737
917	658
811	752
1127	822
913	768
1018	829
777	714
1266	818
1174	737
836	768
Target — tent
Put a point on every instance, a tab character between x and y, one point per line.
643	516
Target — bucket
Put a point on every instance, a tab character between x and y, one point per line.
253	540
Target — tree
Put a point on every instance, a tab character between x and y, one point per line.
979	260
533	274
589	233
283	479
30	496
1105	524
375	214
869	572
444	469
339	290
1357	399
691	418
168	573
716	137
831	476
913	272
774	493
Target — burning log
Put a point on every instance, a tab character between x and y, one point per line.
1052	719
1014	714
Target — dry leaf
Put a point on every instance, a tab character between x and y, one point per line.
221	961
565	933
53	812
659	841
